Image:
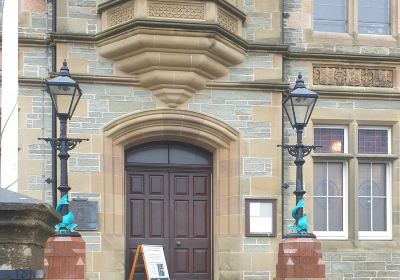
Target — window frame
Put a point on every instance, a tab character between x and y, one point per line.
389	130
345	138
352	33
344	234
379	235
346	19
391	20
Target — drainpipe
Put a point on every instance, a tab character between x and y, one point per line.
53	112
282	135
283	185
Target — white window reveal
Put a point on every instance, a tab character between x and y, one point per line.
374	207
330	200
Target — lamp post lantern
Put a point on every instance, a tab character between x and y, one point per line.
298	106
65	94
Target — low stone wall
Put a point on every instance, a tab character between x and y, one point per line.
25	226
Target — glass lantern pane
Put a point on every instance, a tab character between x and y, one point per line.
63	103
61	90
302	107
74	102
289	110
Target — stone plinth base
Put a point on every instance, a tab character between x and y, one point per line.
64	258
300	258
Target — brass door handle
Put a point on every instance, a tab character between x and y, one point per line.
178	243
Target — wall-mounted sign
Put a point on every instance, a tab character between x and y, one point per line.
260	217
154	262
85	213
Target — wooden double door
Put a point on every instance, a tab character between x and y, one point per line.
171	208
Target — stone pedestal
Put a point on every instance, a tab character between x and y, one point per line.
64	258
25	225
300	258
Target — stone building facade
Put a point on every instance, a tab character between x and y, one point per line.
212	74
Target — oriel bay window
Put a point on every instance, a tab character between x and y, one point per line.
330	191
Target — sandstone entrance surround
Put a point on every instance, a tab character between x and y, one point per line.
170	125
173	47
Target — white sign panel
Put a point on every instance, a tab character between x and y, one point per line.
156	265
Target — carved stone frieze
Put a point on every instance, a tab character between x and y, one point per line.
227	21
121	15
352	76
194	11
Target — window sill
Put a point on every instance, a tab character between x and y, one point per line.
382	157
334	156
372	37
333	35
374	238
323	235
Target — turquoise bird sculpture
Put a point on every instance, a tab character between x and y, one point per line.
67	223
302	224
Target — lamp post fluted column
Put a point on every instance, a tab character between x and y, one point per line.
299	162
64	156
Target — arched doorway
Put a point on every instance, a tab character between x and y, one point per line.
168	203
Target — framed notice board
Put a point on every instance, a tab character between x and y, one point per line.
260	217
155	265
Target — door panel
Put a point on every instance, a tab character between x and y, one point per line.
148	209
172	209
191	234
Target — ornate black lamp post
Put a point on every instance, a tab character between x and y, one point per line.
298	106
65	94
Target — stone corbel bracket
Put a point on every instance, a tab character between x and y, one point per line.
173	47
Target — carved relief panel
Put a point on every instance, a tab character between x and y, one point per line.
121	15
184	10
209	12
353	76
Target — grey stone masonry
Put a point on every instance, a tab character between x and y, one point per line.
35	63
260	275
257	166
84	13
92	240
106	103
84	162
362	265
257	244
255	20
236	109
88	52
